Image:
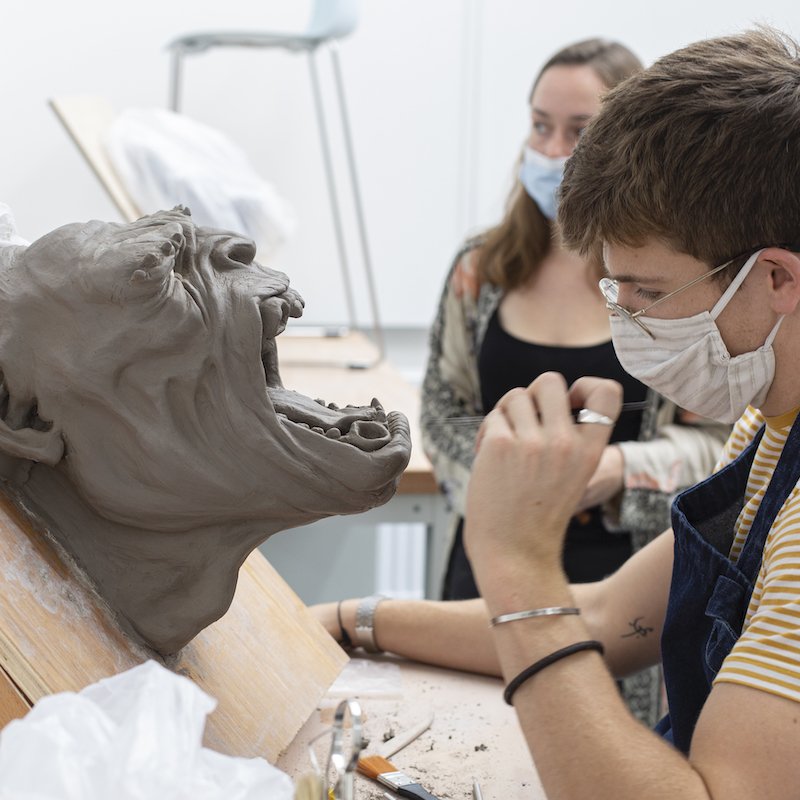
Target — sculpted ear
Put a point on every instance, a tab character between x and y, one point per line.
46	447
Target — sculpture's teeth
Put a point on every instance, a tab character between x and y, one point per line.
333	406
304	425
317	429
320	401
333	433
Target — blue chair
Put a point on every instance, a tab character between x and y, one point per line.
330	20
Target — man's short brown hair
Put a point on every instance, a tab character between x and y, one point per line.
701	151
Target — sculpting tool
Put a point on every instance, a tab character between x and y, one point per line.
383	771
397	743
640	405
477	794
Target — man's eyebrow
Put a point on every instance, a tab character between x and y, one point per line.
649	281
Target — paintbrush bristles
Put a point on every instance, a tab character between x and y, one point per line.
372	766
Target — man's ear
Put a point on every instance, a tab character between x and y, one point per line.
784	278
46	447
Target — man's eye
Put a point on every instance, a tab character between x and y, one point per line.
645	294
541	128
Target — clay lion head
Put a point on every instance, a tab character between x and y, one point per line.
144	422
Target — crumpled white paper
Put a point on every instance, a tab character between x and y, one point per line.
134	736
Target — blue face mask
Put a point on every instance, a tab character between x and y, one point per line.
541	176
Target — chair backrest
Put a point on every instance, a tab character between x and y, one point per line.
332	19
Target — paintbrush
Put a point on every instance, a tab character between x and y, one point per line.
383	771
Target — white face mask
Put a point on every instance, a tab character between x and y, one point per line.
687	361
541	176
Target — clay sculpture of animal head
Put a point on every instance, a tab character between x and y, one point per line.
143	422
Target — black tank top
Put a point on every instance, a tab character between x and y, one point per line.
505	362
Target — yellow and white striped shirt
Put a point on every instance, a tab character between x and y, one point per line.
767	654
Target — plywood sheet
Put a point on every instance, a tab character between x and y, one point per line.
267	661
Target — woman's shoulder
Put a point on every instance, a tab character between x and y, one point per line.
464	279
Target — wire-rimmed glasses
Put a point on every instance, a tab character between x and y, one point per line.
610	291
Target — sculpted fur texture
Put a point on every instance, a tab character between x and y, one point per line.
144	424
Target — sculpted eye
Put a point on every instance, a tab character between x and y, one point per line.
234	254
243	253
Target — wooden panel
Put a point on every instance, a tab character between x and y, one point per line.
267	661
87	120
12	704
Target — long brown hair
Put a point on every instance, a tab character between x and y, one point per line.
513	250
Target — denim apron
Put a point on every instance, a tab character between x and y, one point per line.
709	594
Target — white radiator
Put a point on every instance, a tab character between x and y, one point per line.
400	560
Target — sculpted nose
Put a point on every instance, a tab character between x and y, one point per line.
233	253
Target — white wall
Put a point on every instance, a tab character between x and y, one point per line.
436	91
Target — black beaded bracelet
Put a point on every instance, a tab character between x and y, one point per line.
530	671
346	641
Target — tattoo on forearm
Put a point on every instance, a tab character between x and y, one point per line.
638	630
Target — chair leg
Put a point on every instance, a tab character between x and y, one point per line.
362	227
176	74
332	192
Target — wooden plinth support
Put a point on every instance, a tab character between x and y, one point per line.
267	661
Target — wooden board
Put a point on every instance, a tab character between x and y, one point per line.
12	703
267	662
474	735
87	120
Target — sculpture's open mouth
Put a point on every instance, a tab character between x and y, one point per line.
364	427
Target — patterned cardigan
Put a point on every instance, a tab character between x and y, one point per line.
669	455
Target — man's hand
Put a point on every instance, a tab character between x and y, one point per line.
531	469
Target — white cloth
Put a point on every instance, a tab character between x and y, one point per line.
134	736
8	228
165	159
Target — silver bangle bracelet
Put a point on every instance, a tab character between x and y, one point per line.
553	611
365	623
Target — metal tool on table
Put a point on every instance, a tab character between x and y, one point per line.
342	755
397	743
344	758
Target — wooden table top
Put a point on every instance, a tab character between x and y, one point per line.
474	736
318	367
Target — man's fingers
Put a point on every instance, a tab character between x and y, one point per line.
599	394
598	402
494	424
552	400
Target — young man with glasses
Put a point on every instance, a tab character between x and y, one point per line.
688	181
688	184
